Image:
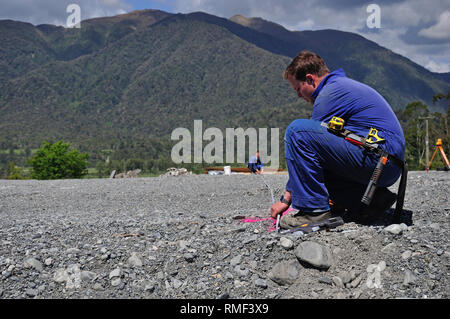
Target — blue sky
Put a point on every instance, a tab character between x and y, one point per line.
416	29
164	5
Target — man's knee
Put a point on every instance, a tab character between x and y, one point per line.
301	132
303	125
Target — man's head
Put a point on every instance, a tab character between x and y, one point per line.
305	73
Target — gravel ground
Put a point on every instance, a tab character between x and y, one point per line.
176	237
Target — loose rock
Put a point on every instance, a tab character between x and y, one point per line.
314	254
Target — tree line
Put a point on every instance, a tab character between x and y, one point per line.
60	160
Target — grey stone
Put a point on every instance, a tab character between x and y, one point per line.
409	278
115	273
88	275
395	229
97	286
250	239
325	280
407	254
73	251
60	275
48	261
338	282
285	272
286	243
30	292
262	283
33	263
182	245
241	271
355	283
135	260
314	254
348	276
235	260
176	283
116	282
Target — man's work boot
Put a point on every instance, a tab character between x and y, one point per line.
296	218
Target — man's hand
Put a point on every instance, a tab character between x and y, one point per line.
277	209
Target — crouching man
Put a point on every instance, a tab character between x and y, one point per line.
324	168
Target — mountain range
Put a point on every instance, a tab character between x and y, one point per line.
122	84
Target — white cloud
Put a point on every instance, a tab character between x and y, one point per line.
438	67
398	18
441	30
54	11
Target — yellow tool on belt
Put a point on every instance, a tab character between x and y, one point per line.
373	134
336	124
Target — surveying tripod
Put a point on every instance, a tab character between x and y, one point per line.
444	158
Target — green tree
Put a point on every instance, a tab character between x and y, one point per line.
103	169
14	172
56	161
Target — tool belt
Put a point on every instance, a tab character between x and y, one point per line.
370	144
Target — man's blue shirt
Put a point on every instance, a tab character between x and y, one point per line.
255	164
360	106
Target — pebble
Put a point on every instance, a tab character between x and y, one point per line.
115	273
176	283
262	283
116	282
326	280
33	263
31	292
135	260
286	243
396	229
374	274
337	282
406	254
285	272
409	278
236	260
241	271
88	275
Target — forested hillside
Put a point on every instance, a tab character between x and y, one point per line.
118	87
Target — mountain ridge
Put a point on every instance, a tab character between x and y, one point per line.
123	85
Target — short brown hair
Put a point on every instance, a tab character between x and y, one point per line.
306	62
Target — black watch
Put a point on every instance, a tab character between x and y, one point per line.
284	201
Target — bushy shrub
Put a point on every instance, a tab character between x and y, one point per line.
56	161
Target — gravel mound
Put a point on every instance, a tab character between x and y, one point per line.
178	237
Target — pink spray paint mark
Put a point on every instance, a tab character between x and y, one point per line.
274	220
